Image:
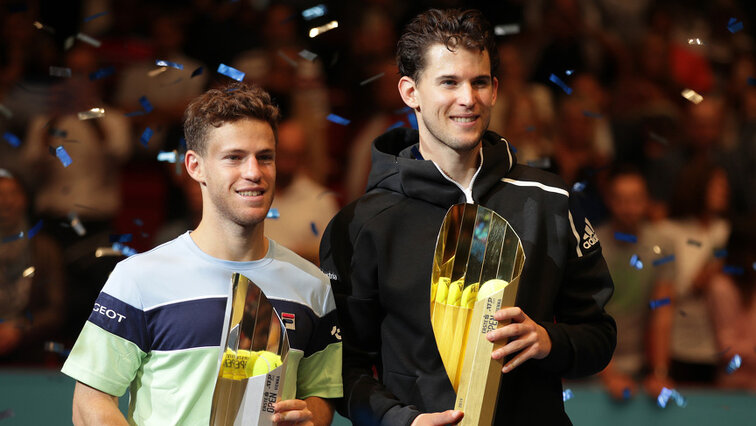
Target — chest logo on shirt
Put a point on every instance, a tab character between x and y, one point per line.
289	320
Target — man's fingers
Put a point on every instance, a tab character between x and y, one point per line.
447	417
511	313
289	404
519	359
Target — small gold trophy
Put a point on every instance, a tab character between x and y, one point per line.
476	271
251	376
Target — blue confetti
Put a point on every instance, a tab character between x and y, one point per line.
665	259
404	110
230	72
751	81
120	238
733	25
314	12
167	156
569	72
567	395
333	118
273	214
14	237
530	128
720	253
135	113
626	394
412	118
35	229
578	186
314	228
12	139
102	73
138	222
63	156
635	262
733	270
95	16
124	249
591	114
145	104
146	135
57	348
197	72
734	364
754	266
558	81
162	63
395	125
666	394
628	238
658	303
58	133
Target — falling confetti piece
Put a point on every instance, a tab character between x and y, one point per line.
197	72
314	228
76	224
273	214
230	72
506	29
95	16
695	41
12	238
58	133
395	125
135	113
106	252
138	222
286	58
333	118
6	112
28	272
306	54
569	72
720	253
734	364
89	40
146	135
12	139
658	138
666	394
628	238
314	32
124	249
558	81
92	113
60	71
567	395
626	394
541	163
751	81
692	96
162	63
733	270
40	26
314	12
591	114
146	105
733	25
63	156
57	348
694	243
157	71
578	186
372	79
658	303
635	262
167	156
35	229
663	260
102	73
120	238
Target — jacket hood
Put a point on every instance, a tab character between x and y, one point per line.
395	169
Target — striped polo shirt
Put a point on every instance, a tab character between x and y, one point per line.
156	330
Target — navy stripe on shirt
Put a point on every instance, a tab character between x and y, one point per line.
189	324
121	319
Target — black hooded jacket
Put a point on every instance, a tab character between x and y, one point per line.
378	252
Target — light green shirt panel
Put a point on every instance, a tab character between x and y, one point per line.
174	387
103	360
320	374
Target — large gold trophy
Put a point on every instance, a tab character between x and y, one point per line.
476	271
251	375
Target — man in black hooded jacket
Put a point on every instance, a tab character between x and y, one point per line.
379	249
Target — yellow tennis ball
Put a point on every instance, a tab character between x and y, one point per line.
265	363
442	289
455	292
490	287
469	295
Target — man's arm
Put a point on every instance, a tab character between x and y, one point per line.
94	407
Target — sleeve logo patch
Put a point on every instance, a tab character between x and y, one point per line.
289	321
589	236
336	332
104	310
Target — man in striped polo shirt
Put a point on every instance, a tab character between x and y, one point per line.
156	326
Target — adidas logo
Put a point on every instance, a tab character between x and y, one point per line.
589	236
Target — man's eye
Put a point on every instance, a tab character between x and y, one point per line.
448	83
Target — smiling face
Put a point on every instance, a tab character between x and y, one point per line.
452	97
237	174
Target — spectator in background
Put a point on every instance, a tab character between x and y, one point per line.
732	301
32	292
696	230
634	285
305	207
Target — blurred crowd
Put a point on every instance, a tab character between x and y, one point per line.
652	124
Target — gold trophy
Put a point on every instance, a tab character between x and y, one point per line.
253	362
476	271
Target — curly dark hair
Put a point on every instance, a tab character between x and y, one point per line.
452	28
227	104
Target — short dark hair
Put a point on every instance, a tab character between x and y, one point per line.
227	104
452	28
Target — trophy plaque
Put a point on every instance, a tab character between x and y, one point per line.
253	362
476	271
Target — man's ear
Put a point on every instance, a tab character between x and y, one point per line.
408	92
495	83
194	166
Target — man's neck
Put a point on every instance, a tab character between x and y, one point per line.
460	166
230	241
